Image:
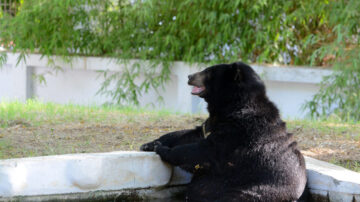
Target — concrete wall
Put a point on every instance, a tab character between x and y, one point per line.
13	80
288	87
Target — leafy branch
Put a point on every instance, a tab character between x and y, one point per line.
318	33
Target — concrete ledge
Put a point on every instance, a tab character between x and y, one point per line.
268	72
330	182
175	194
78	173
136	175
292	74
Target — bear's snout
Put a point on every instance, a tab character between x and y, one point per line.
196	79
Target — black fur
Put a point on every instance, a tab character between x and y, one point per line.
248	155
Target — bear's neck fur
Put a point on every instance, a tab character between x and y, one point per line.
241	104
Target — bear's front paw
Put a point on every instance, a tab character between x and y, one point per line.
160	149
148	147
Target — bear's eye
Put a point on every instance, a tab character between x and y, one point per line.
207	74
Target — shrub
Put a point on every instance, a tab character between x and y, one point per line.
339	94
309	32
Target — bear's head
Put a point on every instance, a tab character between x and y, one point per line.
226	82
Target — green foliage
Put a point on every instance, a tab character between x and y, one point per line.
309	32
340	92
9	6
3	58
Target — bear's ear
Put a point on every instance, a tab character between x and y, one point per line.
238	76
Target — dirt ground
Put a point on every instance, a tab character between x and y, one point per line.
21	139
334	143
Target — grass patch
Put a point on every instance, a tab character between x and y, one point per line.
349	164
349	130
329	140
36	113
35	128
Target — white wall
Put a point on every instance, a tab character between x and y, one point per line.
77	86
287	87
12	81
289	97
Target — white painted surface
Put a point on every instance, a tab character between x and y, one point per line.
291	74
121	171
331	178
12	80
76	173
287	87
76	86
289	97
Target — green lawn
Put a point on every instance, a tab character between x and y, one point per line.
35	128
37	113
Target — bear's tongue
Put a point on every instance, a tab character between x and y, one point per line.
197	90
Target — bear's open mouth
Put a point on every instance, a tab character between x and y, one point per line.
197	90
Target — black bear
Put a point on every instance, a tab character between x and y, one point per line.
242	152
